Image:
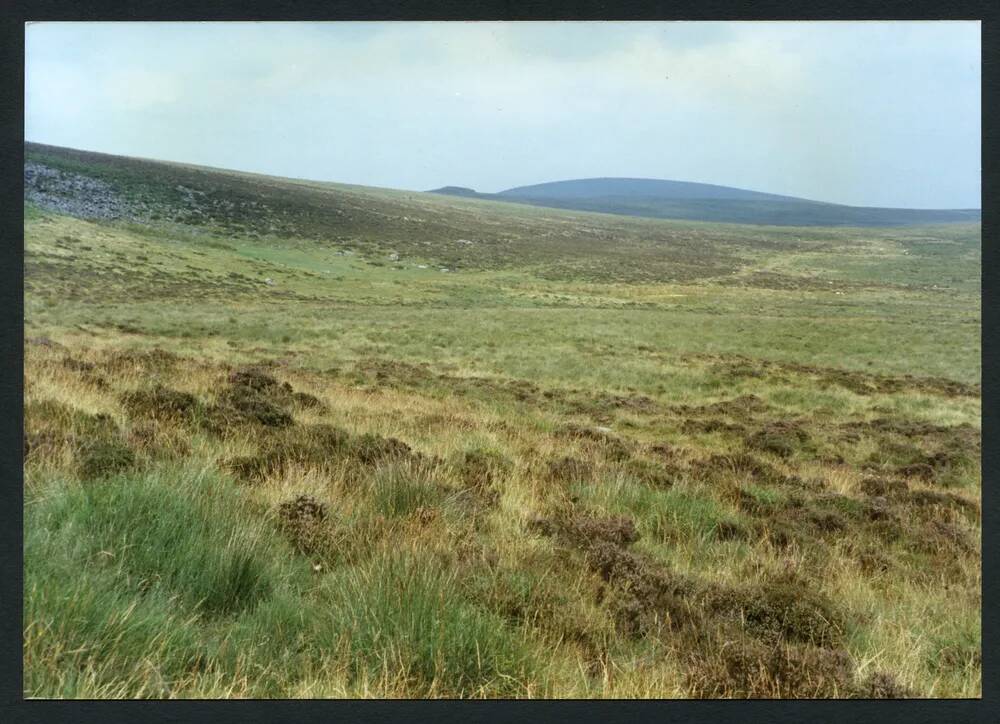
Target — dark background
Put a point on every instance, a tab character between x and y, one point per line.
14	709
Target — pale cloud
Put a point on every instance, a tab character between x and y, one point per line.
138	89
868	113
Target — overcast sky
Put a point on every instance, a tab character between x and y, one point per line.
875	113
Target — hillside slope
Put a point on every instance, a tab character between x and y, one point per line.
447	231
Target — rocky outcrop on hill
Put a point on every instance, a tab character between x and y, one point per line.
74	194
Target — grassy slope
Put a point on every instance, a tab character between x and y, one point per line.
841	469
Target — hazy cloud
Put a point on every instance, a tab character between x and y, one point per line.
866	113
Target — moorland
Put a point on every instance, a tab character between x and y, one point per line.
287	438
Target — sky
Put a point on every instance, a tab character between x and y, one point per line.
862	113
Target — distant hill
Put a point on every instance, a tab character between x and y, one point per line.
707	202
588	188
455	191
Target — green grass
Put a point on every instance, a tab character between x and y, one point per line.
596	329
172	571
398	490
145	572
404	617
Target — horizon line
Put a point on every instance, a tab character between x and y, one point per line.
519	186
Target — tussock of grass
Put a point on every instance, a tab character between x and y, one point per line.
162	531
404	615
398	489
129	579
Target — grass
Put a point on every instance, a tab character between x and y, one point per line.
111	566
399	491
402	617
135	575
598	457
